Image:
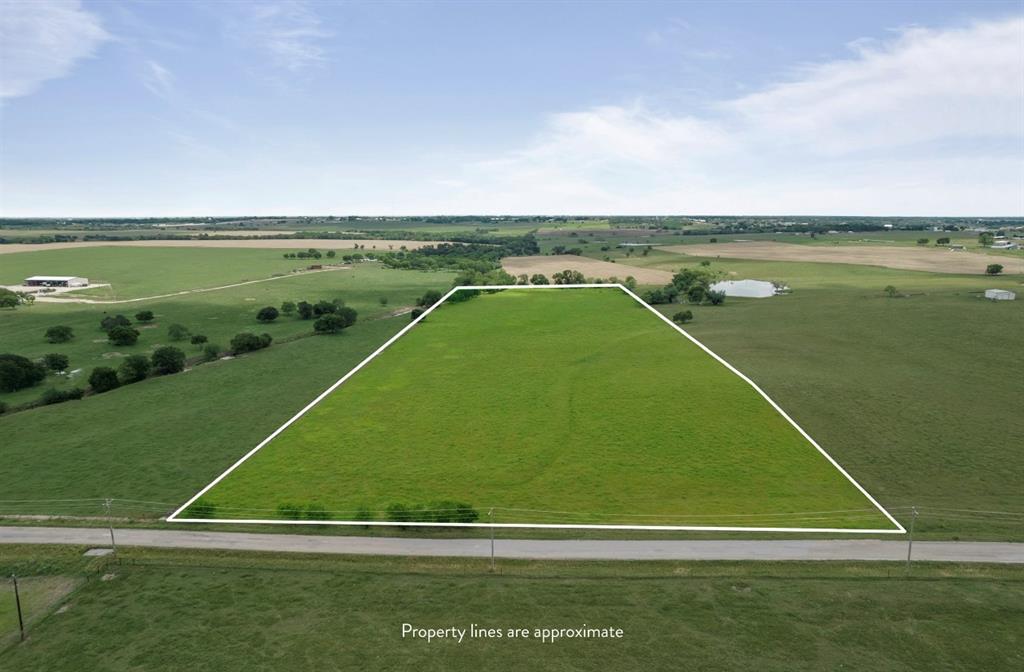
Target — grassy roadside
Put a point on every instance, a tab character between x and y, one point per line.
161	609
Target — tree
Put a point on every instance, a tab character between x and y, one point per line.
133	369
569	277
682	317
56	362
715	298
17	373
429	298
630	282
198	339
249	342
697	293
942	241
922	241
522	279
416	312
986	238
59	334
539	279
168	359
890	291
268	314
331	254
327	307
332	323
111	321
305	310
9	299
121	335
144	316
177	332
994	269
103	379
211	351
288	308
52	396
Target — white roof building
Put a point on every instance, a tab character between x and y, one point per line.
1000	295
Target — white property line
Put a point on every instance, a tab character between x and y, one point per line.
695	528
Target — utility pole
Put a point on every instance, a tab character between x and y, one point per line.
17	602
910	540
110	525
490	515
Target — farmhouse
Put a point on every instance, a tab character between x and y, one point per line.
1000	295
56	281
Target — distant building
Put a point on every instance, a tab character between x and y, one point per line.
1003	245
56	281
1000	295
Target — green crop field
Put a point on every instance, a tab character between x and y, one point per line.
175	610
554	406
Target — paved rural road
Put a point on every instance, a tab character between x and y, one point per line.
824	549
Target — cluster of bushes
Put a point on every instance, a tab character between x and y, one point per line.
311	253
249	342
9	299
17	373
331	316
437	512
475	253
688	285
300	512
562	249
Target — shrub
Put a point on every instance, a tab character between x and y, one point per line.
52	396
198	339
177	332
9	299
383	300
121	335
56	362
289	511
539	279
168	359
891	291
201	508
715	298
305	310
429	298
3	409
416	312
362	513
111	321
249	342
452	512
267	314
316	512
144	316
17	373
398	513
211	351
288	308
682	317
103	379
59	334
993	269
332	323
331	254
133	369
922	241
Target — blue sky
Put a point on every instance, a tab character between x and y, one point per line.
178	108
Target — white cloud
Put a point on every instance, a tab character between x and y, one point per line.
929	123
289	31
42	40
158	80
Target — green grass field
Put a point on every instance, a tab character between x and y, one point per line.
135	272
554	406
175	610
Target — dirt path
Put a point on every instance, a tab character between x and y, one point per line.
592	268
43	298
578	549
369	245
905	258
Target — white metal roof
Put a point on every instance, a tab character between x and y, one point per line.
54	278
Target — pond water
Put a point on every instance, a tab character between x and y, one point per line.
751	289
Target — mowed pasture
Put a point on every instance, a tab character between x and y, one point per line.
554	406
162	609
